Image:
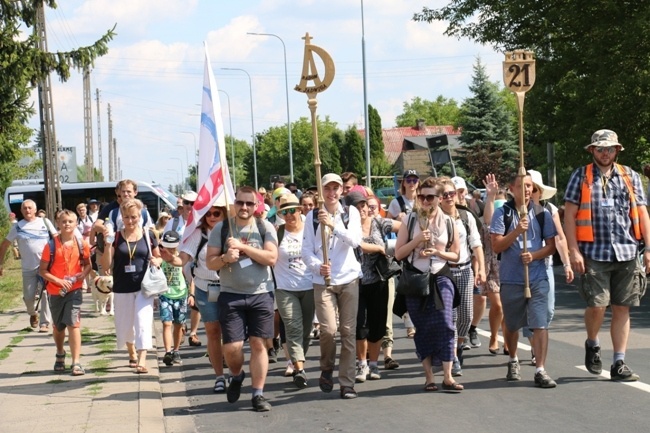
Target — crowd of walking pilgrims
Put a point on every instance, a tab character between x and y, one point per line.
277	271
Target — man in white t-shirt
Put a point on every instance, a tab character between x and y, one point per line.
32	234
177	223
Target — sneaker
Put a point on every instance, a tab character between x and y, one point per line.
276	344
300	379
234	388
273	356
459	354
168	359
473	338
315	334
390	364
592	359
374	373
513	371
456	369
260	404
620	371
290	370
543	380
465	346
362	373
176	357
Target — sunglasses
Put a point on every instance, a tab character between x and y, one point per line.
241	203
429	197
187	203
286	211
411	180
449	194
609	150
215	213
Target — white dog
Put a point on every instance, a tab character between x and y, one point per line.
102	290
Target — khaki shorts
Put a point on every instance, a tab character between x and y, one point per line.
607	283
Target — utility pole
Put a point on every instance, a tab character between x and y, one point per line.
111	156
99	138
50	154
89	158
116	169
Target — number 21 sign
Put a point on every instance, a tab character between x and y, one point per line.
519	70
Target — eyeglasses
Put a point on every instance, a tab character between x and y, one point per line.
187	203
241	203
216	214
609	150
411	180
286	211
372	206
449	194
429	197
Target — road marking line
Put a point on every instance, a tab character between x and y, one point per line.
638	385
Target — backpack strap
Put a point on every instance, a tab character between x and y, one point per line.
402	203
202	242
450	233
280	234
177	220
52	243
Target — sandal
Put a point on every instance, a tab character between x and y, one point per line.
59	364
133	363
77	369
454	386
325	381
429	387
141	369
220	385
194	340
347	392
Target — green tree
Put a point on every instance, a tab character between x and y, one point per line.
442	111
379	165
486	124
352	151
23	66
273	151
588	76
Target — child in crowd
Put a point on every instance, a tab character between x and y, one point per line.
65	263
173	304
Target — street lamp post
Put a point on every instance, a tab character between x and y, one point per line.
182	171
187	163
232	142
250	86
365	100
196	155
286	87
177	178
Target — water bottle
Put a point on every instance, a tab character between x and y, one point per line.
110	237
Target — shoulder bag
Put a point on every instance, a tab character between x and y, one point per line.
412	282
154	282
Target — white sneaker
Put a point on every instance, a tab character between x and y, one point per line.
289	371
362	373
374	373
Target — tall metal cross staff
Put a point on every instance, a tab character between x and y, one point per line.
519	77
310	73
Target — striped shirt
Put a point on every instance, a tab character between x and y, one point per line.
610	214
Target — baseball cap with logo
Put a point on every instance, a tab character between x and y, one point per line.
408	173
170	239
459	182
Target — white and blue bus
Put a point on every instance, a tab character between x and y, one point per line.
155	198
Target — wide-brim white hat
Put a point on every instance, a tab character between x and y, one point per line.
546	191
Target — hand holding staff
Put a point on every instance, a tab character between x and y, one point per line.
519	77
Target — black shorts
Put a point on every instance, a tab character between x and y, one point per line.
245	315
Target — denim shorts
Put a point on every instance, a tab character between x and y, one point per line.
209	310
173	310
519	311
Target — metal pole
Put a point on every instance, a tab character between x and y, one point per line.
286	88
184	182
196	155
365	100
250	86
232	142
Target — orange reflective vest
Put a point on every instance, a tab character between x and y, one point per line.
584	229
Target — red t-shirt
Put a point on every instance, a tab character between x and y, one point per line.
66	262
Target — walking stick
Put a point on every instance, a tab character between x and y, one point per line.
309	73
519	77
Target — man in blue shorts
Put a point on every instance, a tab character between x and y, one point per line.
246	300
506	231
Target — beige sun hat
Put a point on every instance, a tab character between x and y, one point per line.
546	191
604	138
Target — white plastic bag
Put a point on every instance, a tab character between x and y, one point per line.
154	282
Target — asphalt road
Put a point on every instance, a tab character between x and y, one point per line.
396	403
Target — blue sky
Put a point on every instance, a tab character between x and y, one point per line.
152	74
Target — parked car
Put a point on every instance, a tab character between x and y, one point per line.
385	195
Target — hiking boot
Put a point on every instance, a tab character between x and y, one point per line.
456	369
513	371
273	355
362	373
260	404
33	321
592	359
176	357
543	380
300	379
474	341
374	373
620	371
390	364
168	359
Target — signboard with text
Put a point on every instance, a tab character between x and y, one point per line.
67	164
